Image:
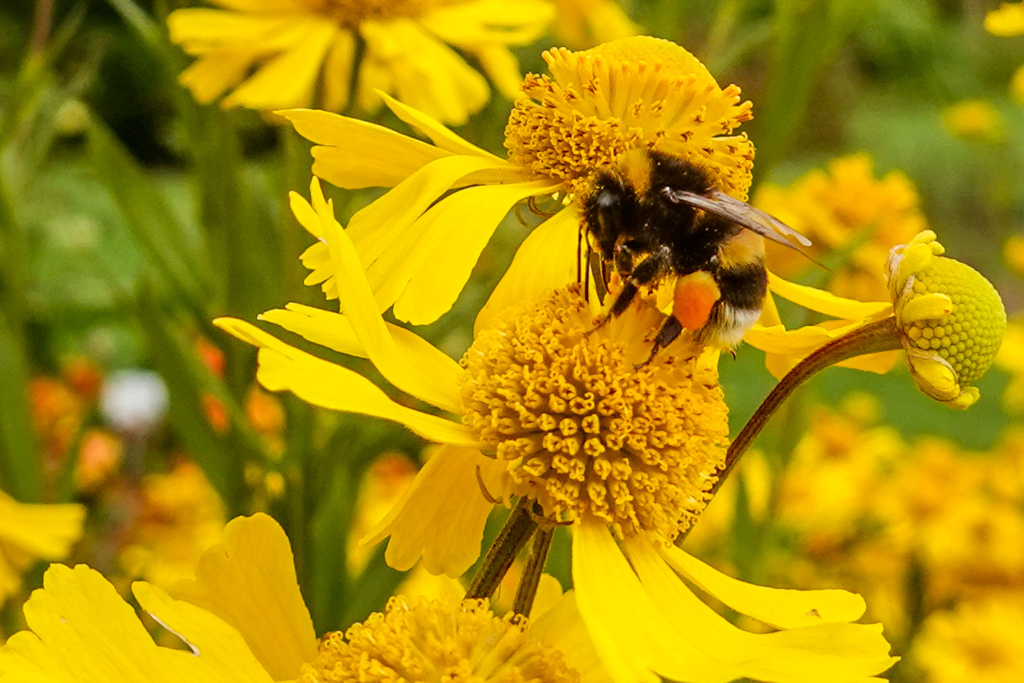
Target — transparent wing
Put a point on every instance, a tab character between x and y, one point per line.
741	213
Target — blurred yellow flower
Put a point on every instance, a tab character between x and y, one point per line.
243	618
1011	360
551	411
974	641
1008	21
580	24
1013	254
845	210
29	533
273	54
181	515
975	120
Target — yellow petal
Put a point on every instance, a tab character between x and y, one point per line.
630	633
83	632
217	71
483	22
441	516
785	348
401	364
501	67
925	307
774	606
43	531
545	260
839	653
355	154
249	581
378	226
288	80
425	73
283	367
334	331
824	302
561	627
436	132
445	258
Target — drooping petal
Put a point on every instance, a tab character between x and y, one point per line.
399	363
630	633
562	627
774	606
834	652
785	348
446	257
356	154
249	581
436	132
334	331
825	302
283	367
546	260
441	517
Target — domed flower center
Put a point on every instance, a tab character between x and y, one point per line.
969	336
629	93
421	640
351	13
584	431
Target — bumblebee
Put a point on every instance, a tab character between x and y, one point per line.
653	215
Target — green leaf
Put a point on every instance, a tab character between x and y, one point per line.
158	231
19	465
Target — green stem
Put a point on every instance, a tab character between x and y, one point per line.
882	335
513	537
528	584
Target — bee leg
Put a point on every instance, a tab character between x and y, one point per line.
670	330
622	301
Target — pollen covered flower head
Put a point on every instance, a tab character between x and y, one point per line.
596	105
636	92
272	54
951	319
548	410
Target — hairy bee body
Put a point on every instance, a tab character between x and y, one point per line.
653	215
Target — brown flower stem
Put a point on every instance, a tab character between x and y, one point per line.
512	538
881	335
527	590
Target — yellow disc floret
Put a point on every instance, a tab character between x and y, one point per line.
351	13
586	433
423	640
632	92
951	319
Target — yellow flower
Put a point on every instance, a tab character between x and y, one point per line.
273	54
415	242
581	24
34	532
549	410
1011	360
975	120
1013	254
244	619
848	211
974	641
181	516
1008	21
950	317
